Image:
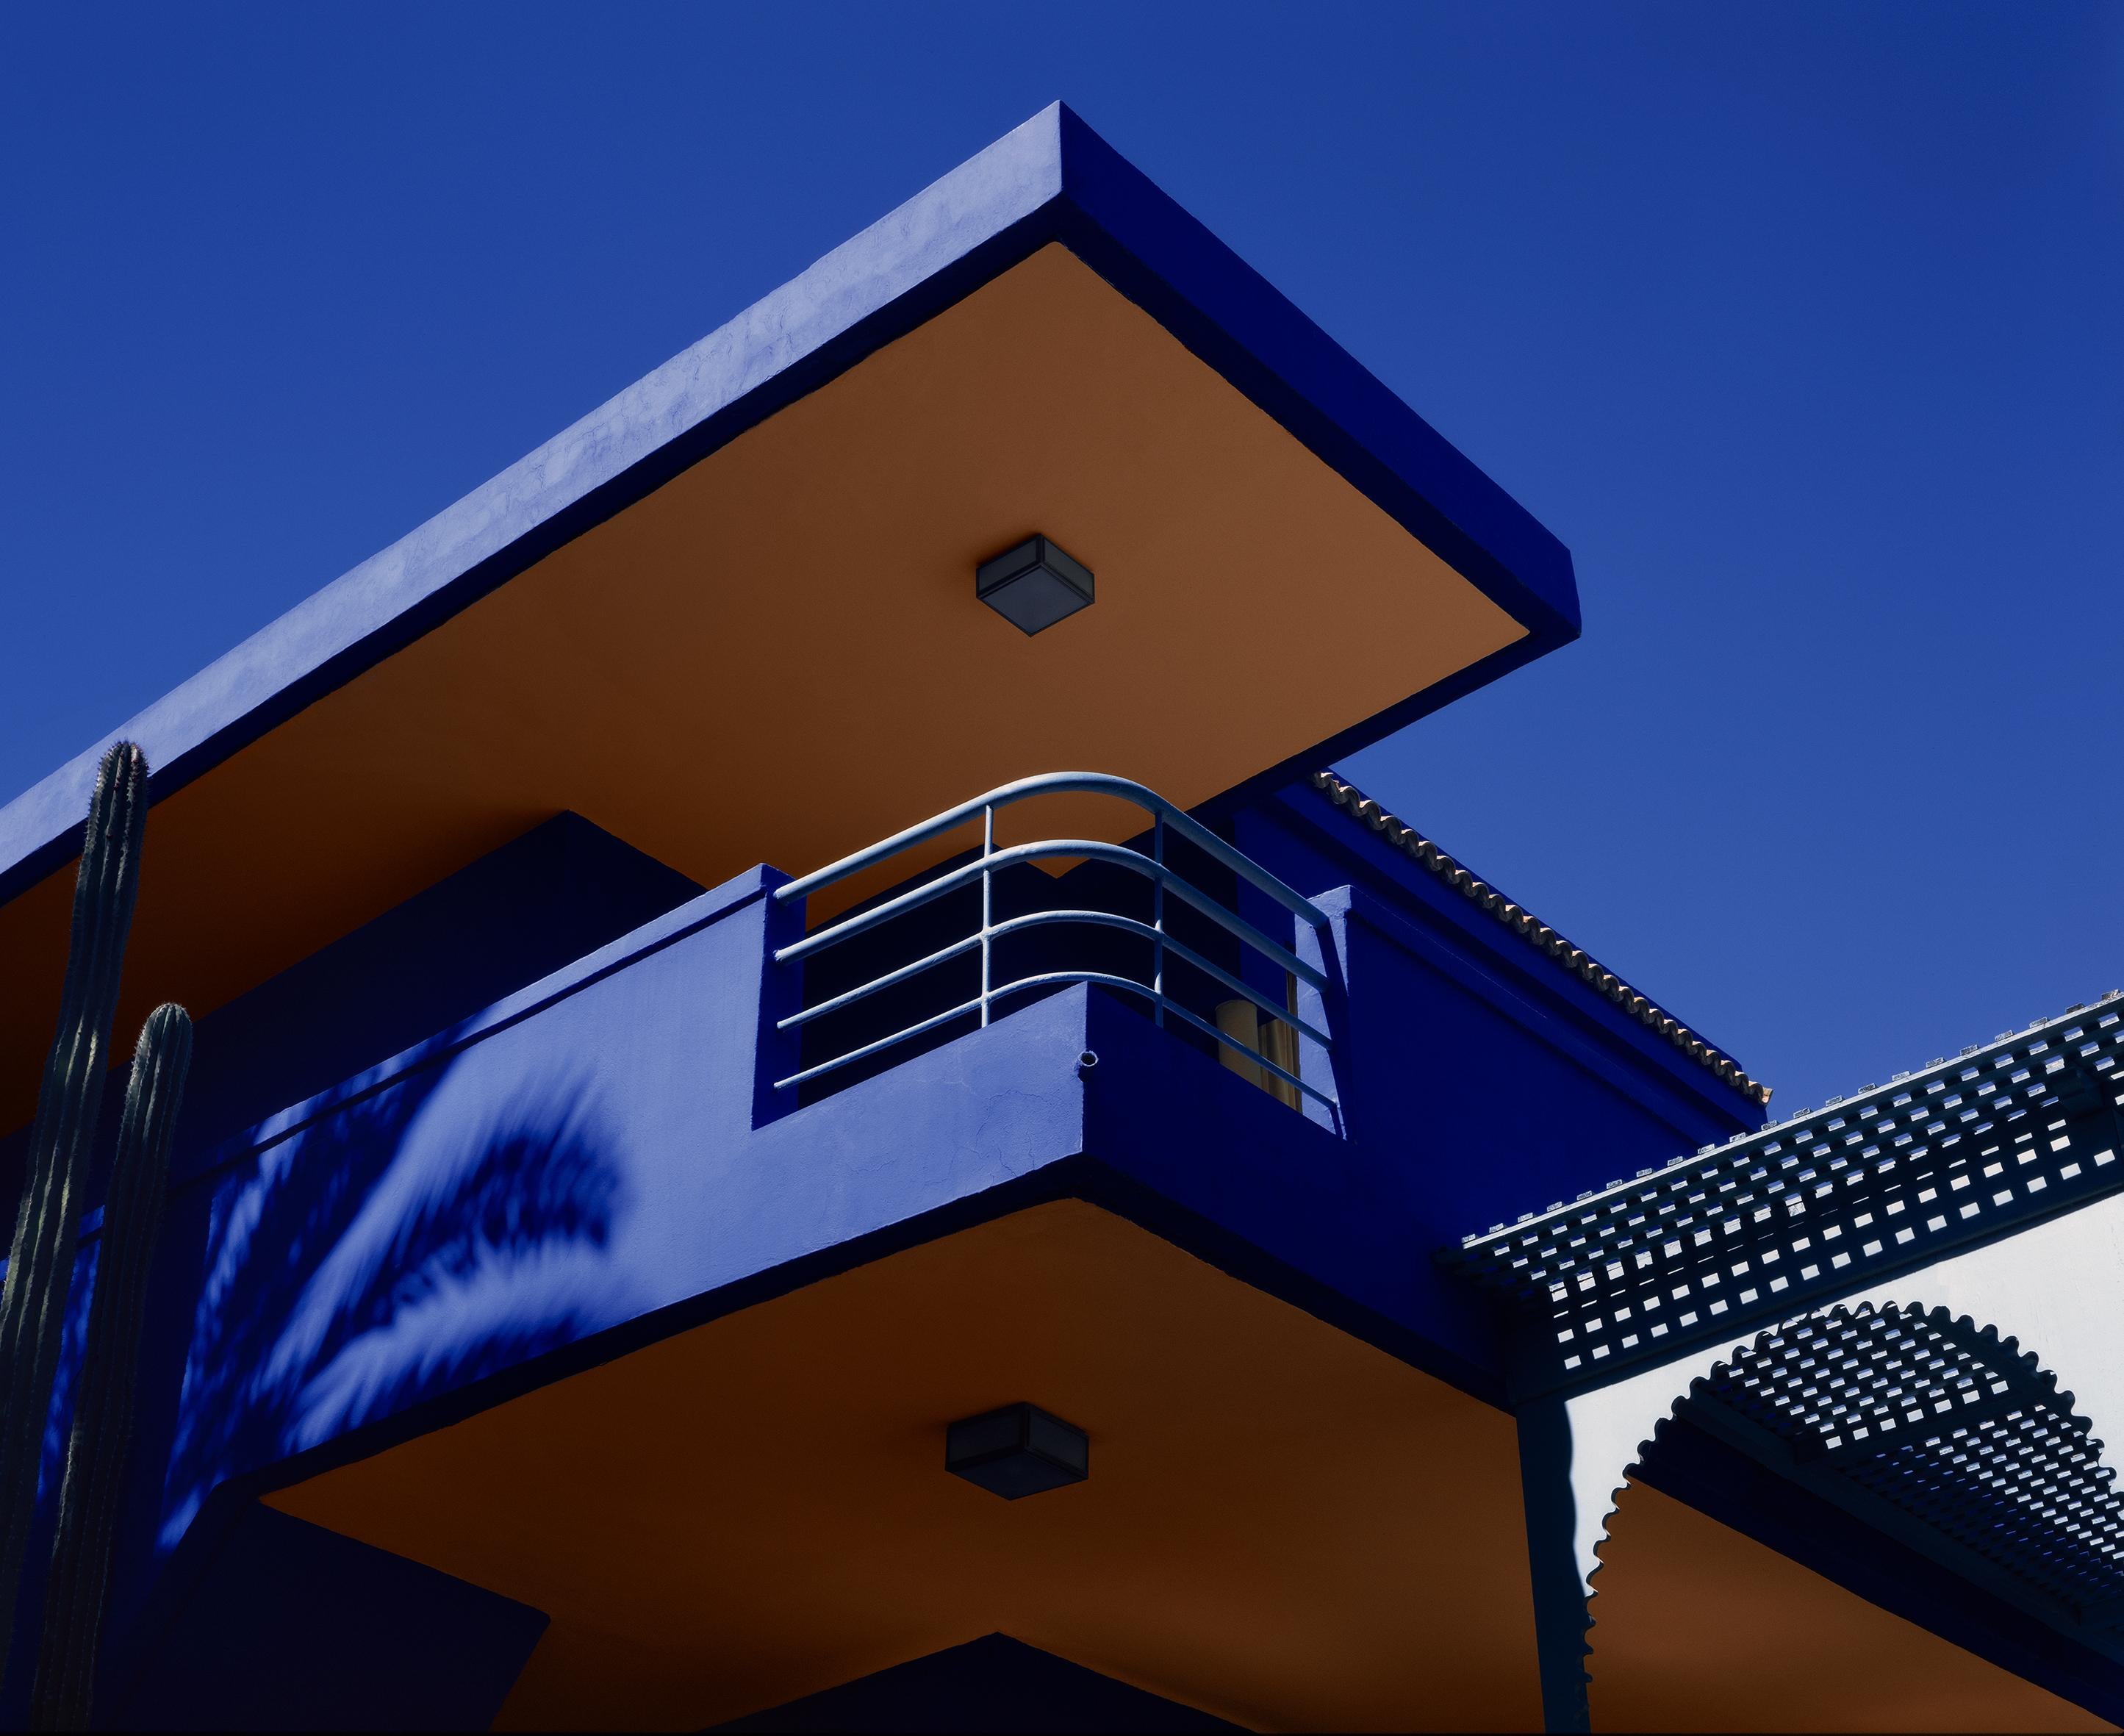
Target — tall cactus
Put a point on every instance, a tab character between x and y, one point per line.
103	1404
40	1261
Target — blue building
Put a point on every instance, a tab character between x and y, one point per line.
728	1180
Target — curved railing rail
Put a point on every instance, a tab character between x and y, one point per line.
1166	819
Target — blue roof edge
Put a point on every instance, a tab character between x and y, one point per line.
1050	179
1155	252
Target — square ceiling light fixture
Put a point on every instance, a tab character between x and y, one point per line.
1033	586
1017	1450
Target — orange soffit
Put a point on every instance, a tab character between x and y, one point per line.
732	617
1696	1627
1261	1535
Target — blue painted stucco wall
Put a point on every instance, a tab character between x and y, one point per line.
581	1153
526	1121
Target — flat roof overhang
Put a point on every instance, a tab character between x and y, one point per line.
728	616
1283	1525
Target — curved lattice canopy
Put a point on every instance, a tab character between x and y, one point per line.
1946	1436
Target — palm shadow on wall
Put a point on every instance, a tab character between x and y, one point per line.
417	1239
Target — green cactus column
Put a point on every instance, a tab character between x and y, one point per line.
103	1404
41	1260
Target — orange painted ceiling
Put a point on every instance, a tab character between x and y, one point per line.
777	656
1698	1628
1282	1525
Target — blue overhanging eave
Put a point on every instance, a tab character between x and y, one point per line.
1052	179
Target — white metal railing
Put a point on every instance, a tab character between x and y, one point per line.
1166	819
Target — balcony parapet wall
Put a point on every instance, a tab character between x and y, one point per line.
599	1160
604	1146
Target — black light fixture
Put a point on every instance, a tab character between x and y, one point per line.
1017	1450
1033	586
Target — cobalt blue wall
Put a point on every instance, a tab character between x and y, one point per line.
558	891
581	1159
1314	846
570	1167
549	896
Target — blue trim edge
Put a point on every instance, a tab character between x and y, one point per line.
1051	179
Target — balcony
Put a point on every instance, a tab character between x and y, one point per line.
714	1095
1175	921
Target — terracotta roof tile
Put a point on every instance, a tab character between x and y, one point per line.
1537	933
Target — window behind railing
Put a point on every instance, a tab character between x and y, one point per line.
965	940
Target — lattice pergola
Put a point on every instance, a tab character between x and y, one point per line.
1926	1427
1819	1204
1947	1436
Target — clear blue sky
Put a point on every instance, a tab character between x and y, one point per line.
1803	325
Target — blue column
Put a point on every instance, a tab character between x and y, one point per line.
1559	1593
